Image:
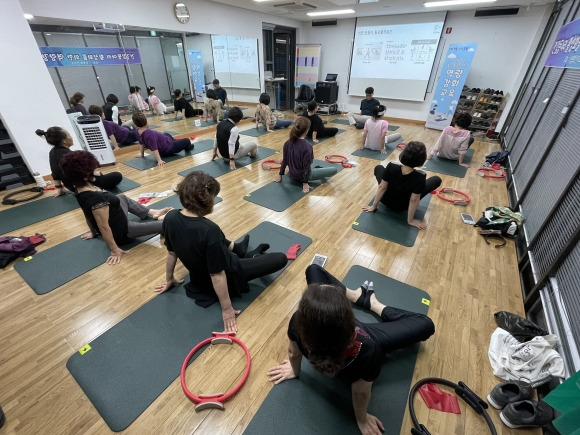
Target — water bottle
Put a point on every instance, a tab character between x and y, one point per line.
39	180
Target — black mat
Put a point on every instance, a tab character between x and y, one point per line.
280	196
391	225
53	267
376	155
449	167
309	139
149	161
217	167
30	213
132	363
314	404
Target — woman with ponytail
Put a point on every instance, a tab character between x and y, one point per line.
325	332
298	156
219	269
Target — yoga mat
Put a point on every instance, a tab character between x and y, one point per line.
132	363
150	162
49	269
315	404
32	212
280	196
449	167
309	139
255	132
172	133
391	225
376	155
340	121
154	126
217	167
393	127
205	124
151	115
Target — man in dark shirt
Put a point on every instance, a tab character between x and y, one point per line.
317	129
182	105
366	109
227	140
220	92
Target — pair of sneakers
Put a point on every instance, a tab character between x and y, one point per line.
518	408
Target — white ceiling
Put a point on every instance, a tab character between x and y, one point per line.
297	9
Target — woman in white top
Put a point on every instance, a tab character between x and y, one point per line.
156	104
375	130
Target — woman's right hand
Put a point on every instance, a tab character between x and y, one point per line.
160	163
229	317
279	179
281	372
232	164
418	224
115	257
160	288
371	426
88	235
306	187
370	208
60	191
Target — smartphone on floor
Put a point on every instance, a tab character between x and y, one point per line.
467	218
319	259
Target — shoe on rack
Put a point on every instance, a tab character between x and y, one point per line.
527	413
509	392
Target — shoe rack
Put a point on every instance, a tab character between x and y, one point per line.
484	106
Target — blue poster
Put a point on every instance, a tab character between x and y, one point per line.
88	56
565	52
197	76
453	74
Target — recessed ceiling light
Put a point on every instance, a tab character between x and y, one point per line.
339	12
28	16
455	3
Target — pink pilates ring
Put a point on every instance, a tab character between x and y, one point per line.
277	164
402	145
496	173
466	198
207	401
337	159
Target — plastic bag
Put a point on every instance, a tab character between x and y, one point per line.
522	329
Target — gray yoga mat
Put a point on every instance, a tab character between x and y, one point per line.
309	139
205	124
449	167
217	167
315	404
391	225
393	127
172	133
30	213
171	119
132	363
53	267
280	196
340	121
149	161
376	155
260	131
154	126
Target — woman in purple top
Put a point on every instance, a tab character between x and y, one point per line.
160	144
117	134
298	156
76	103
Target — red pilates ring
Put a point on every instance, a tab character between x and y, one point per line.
277	164
495	173
402	145
206	401
466	198
336	159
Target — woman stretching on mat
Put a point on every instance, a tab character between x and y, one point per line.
219	269
106	213
317	129
61	141
160	144
454	142
375	131
401	187
298	156
325	331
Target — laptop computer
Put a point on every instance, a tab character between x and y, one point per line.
331	77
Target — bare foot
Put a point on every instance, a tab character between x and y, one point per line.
158	214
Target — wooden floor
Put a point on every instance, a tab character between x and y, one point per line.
468	281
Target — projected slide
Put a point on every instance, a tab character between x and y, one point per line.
395	59
236	61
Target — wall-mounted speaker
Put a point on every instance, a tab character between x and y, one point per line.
496	12
321	23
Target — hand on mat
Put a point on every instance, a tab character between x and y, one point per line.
465	165
160	163
315	140
383	151
232	164
214	155
279	179
229	316
60	191
116	255
281	373
88	235
160	288
372	426
306	187
429	156
418	224
370	208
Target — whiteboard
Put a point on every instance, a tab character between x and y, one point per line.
236	61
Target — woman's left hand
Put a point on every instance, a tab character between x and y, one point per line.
160	163
88	235
232	164
306	187
115	257
281	373
418	224
160	288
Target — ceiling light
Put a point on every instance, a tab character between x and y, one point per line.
340	12
455	3
28	16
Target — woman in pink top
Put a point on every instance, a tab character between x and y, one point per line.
375	130
454	141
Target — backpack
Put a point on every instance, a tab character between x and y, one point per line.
501	219
305	94
500	157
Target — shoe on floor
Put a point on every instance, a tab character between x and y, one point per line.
527	413
509	392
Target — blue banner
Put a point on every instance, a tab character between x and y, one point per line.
453	75
565	52
88	56
197	75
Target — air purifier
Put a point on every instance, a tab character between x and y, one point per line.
94	138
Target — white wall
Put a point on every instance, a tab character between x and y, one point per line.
504	44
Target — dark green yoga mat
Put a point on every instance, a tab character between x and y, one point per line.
154	126
280	196
217	167
315	404
254	132
340	121
376	155
393	127
449	167
149	161
47	270
132	363
48	207
391	225
171	119
309	139
205	124
172	133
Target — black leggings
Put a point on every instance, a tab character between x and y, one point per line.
108	181
261	265
400	328
431	183
326	132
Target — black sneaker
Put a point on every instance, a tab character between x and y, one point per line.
359	126
509	392
527	413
